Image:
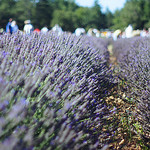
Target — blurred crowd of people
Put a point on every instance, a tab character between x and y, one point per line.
129	32
28	28
11	26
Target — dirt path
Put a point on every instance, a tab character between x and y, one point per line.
126	139
112	58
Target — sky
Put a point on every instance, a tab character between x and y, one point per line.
112	5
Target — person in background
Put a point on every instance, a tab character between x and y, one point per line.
37	30
57	29
9	27
1	31
14	26
128	31
144	33
44	29
79	31
116	34
28	27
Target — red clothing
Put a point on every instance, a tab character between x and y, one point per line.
36	30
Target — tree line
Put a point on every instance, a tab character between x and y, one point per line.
70	16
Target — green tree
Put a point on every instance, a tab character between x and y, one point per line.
6	11
109	18
90	17
147	13
67	21
23	10
83	19
64	15
117	21
132	13
65	5
43	13
135	12
97	18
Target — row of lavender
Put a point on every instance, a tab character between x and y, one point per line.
133	56
52	91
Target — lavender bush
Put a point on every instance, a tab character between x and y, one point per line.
134	60
52	92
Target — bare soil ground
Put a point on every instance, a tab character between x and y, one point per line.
126	138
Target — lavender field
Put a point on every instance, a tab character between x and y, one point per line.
55	92
133	57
